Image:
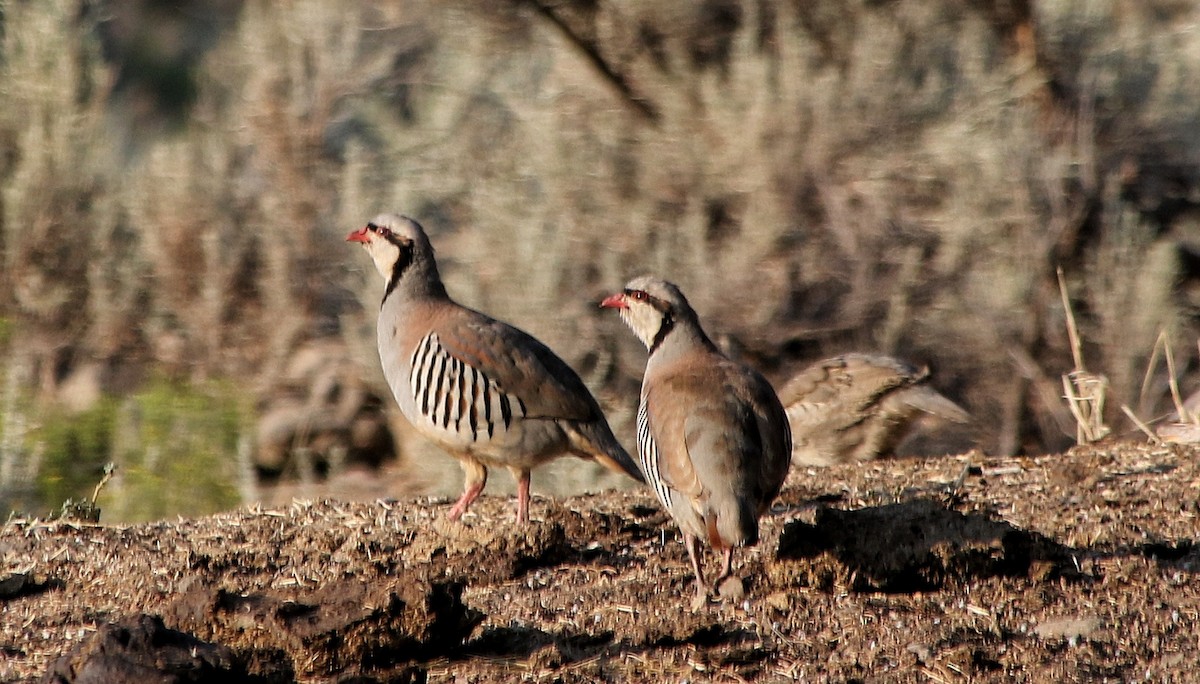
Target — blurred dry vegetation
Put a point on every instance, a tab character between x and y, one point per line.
822	176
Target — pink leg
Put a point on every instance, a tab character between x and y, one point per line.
475	478
693	548
522	478
726	569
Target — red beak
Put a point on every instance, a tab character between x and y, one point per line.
616	301
359	235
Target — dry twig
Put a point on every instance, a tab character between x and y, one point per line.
1084	391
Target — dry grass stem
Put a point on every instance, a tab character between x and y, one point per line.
1172	380
1140	425
1072	328
1185	428
1084	391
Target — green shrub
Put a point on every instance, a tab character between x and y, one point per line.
176	452
174	445
75	447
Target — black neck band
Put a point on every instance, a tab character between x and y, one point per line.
398	269
668	323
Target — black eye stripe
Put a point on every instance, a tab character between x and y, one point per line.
382	231
661	305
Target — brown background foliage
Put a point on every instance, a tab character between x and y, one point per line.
819	177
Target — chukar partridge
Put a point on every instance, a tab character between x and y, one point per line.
486	392
857	407
712	436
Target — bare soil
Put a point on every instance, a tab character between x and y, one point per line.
1073	567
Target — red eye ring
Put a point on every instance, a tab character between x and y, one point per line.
638	295
379	230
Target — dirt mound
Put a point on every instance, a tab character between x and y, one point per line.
142	649
1071	567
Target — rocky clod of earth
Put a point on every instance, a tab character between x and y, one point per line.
1071	567
142	649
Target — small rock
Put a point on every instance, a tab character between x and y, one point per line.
923	653
1070	628
17	584
732	589
779	600
13	585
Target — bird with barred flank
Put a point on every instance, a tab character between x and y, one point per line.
484	391
713	438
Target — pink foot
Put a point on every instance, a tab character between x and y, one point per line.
464	502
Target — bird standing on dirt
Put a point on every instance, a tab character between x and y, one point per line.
712	436
857	407
484	391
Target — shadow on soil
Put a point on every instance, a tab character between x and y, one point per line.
555	649
912	546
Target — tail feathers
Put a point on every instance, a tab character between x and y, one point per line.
931	402
596	440
730	525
